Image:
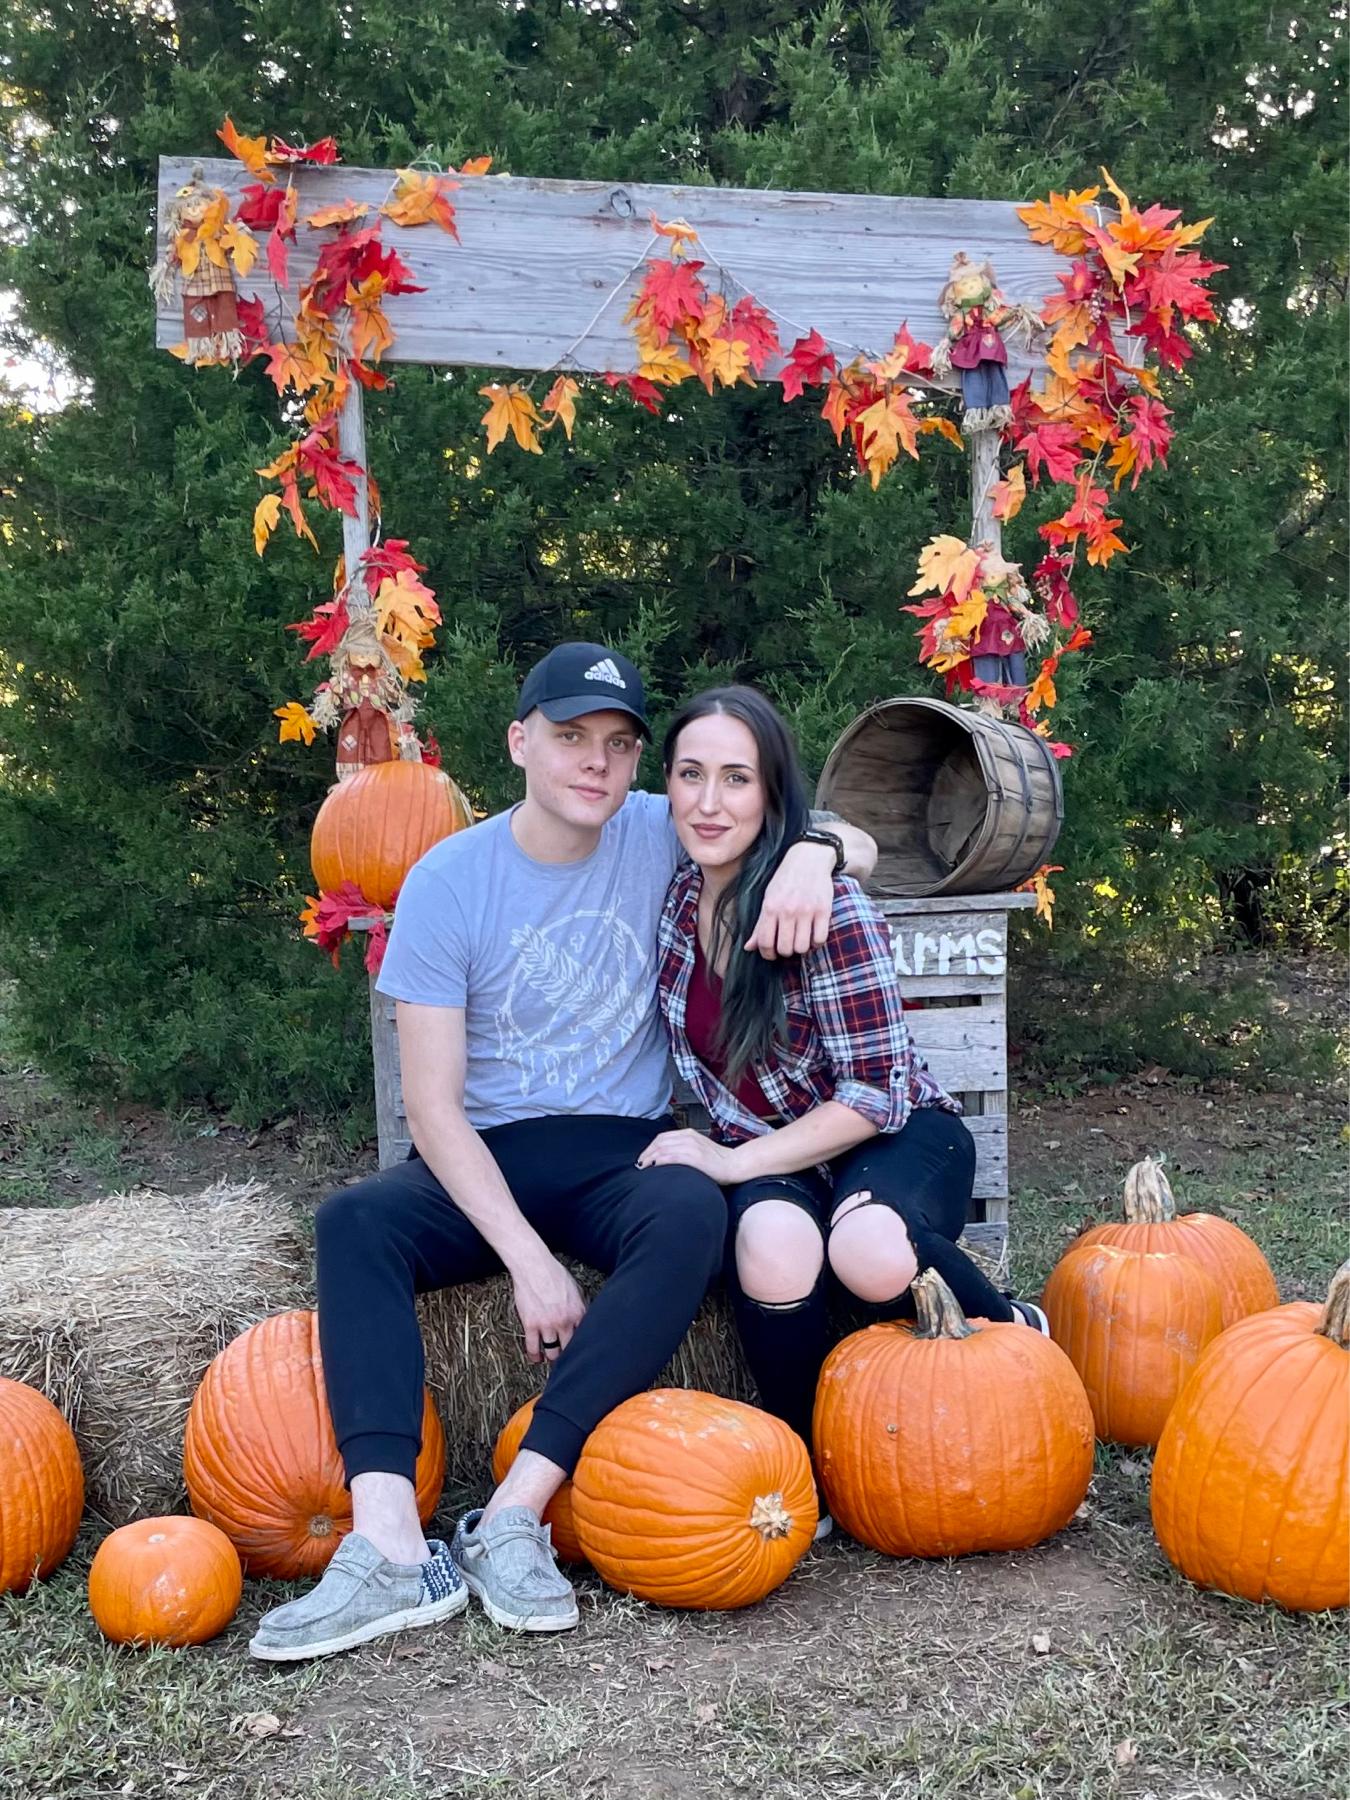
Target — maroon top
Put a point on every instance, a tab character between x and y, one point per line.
979	340
702	1019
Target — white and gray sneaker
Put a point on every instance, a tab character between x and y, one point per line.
361	1596
1031	1314
511	1565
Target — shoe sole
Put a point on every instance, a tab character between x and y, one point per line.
1039	1320
512	1621
412	1618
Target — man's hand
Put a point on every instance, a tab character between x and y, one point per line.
795	916
694	1151
549	1305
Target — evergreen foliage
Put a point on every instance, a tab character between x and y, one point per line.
153	834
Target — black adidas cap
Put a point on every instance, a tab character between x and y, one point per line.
575	679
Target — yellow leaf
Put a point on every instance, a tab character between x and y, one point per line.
189	251
664	365
1010	493
511	410
420	199
241	244
965	619
265	516
296	723
406	610
560	400
727	360
948	565
679	231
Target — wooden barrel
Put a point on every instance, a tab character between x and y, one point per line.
958	802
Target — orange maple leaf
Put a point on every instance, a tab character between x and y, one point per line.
663	364
1061	221
944	427
1045	894
561	402
420	199
885	428
341	212
240	244
967	617
476	165
679	231
835	409
252	152
724	359
1010	493
511	410
1042	690
371	332
947	565
295	723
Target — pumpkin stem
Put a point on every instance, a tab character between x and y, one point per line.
938	1310
1335	1322
1148	1195
769	1517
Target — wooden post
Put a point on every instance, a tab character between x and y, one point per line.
984	527
355	531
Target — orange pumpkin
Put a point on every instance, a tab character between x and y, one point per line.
260	1458
1134	1323
687	1500
41	1486
164	1581
944	1438
1246	1284
558	1512
1251	1482
372	828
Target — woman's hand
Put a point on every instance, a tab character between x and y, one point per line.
694	1151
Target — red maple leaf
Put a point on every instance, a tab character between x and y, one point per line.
810	363
431	751
671	293
1051	578
1174	280
645	392
258	206
324	629
324	152
334	476
384	562
337	265
368	377
1052	447
756	330
253	324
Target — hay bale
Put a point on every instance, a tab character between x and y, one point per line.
114	1309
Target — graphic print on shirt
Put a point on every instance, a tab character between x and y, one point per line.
585	1015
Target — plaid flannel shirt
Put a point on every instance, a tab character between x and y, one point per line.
846	1034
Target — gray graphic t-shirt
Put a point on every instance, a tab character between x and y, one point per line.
553	963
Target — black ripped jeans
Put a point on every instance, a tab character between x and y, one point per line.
657	1234
924	1173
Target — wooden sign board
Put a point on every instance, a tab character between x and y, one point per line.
536	259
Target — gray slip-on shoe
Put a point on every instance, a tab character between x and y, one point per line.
511	1565
361	1596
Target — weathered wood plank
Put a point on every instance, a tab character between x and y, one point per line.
389	1112
537	259
949	903
950	944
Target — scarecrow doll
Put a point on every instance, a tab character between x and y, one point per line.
977	316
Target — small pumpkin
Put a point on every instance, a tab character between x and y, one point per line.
1152	1222
41	1486
949	1437
1251	1481
260	1458
374	826
688	1500
558	1512
169	1581
1133	1323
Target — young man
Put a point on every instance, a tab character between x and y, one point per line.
535	1071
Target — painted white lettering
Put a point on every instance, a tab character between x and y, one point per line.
901	963
993	957
951	947
922	945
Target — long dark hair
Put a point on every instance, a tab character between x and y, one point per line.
753	1011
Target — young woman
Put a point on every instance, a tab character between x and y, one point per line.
837	1147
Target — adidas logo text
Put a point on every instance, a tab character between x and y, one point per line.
605	670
